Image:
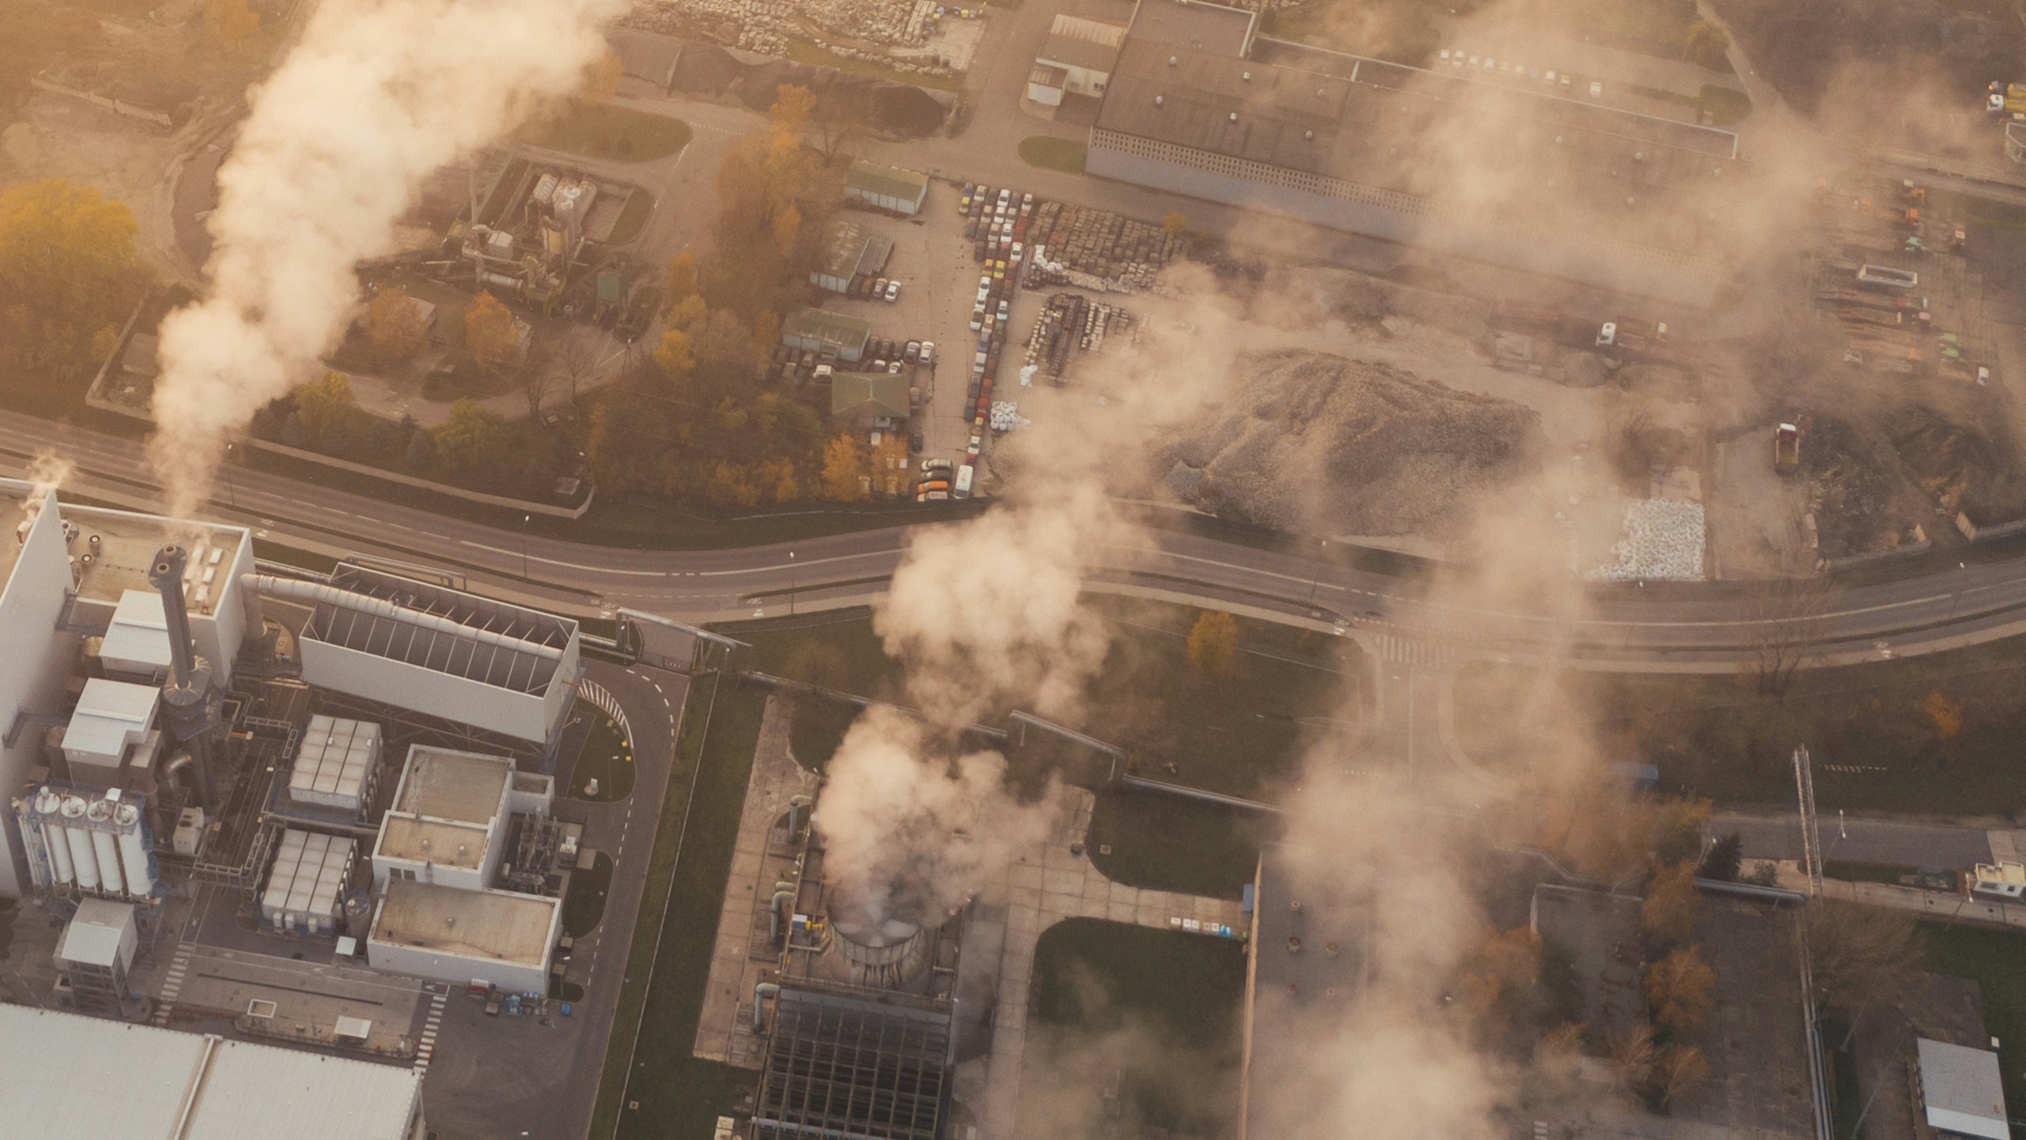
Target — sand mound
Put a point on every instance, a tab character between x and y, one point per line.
1333	446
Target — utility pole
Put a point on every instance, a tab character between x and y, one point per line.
791	583
525	519
1811	834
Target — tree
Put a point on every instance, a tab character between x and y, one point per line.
492	334
689	315
1680	989
473	436
421	451
326	408
602	76
1860	954
1943	714
1723	859
396	324
841	115
1499	975
1678	835
1174	223
724	350
1704	43
791	110
1786	617
535	385
1212	641
1669	909
1634	1054
681	279
787	229
843	467
67	271
1680	1073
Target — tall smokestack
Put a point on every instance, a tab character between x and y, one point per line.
193	702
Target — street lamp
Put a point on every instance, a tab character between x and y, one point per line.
1316	581
524	546
791	583
231	484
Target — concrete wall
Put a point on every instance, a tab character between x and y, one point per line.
526	716
32	667
1394	216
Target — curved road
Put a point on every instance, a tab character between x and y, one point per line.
1693	628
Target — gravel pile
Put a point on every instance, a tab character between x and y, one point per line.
1335	446
1663	542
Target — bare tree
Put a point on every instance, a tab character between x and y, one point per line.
1786	618
841	116
1859	955
1634	1054
537	378
1680	1074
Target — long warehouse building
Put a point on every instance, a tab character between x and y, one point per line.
66	1076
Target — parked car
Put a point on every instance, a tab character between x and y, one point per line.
977	318
893	367
879	288
914	441
913	352
893	291
928	353
1004	309
879	364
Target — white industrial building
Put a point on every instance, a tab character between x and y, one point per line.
336	765
95	954
112	728
1961	1092
70	568
474	938
447	824
64	1076
434	650
306	886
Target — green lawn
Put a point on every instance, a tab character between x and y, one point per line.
1937	733
609	131
1170	843
802	51
1160	1006
584	905
605	757
1997	960
1054	153
677	1094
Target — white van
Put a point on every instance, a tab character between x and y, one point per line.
963	488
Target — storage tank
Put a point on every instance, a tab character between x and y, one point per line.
49	806
358	916
881	950
106	847
83	861
134	854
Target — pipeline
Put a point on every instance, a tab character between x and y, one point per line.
760	993
380	607
797	805
783	895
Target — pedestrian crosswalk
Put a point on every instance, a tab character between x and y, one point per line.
1396	650
172	983
426	1047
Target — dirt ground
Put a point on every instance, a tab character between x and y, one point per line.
1822	54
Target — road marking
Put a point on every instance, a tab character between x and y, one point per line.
426	1047
565	565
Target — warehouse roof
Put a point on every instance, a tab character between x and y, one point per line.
1193	24
885	181
493	926
127	545
826	327
459	786
110	715
1073	51
851	250
1962	1090
56	1069
501	644
868	394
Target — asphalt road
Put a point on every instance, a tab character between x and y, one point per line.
1694	627
1860	840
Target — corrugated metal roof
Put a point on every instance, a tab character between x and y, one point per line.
138	632
827	327
868	394
1205	27
65	1076
1072	51
109	716
1962	1090
885	181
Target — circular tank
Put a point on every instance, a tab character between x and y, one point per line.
83	861
55	837
106	847
880	951
73	807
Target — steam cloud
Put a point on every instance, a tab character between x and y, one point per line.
376	96
896	817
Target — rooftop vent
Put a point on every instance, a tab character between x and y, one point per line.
1160	101
1294	905
1294	945
1172	60
1330	948
1246	76
1234	116
1309	135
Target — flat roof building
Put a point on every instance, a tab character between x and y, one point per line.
64	1076
95	954
1305	962
493	938
1961	1092
448	819
1193	24
849	251
833	334
886	187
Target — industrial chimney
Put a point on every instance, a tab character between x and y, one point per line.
193	701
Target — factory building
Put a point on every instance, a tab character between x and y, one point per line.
500	939
94	956
459	657
1076	59
850	251
1198	104
1960	1093
65	1076
886	187
447	822
832	334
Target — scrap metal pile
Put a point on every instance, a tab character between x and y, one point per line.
1072	325
1663	542
767	26
1098	249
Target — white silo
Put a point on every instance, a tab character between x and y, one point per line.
48	806
106	847
133	852
83	861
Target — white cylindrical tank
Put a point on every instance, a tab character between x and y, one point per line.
106	847
48	806
83	861
133	853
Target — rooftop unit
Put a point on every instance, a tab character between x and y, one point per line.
336	765
306	887
446	823
112	719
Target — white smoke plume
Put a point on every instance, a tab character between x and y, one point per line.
898	818
46	472
376	96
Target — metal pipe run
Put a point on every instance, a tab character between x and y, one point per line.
760	993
